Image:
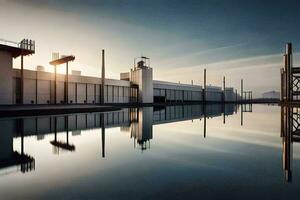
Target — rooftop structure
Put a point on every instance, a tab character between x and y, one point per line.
25	47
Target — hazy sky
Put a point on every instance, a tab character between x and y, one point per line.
235	38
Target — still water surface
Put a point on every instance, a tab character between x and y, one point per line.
179	152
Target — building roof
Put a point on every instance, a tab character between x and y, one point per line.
16	51
25	47
62	60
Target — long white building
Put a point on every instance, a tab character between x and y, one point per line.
19	86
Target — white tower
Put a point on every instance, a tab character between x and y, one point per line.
142	75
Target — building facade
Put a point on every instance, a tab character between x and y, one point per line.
20	86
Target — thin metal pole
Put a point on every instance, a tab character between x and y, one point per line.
22	79
242	112
288	63
55	128
67	83
103	77
242	90
204	125
204	85
36	87
224	89
22	136
55	82
282	84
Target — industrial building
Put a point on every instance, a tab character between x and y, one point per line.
21	86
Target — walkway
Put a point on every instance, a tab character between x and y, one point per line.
33	110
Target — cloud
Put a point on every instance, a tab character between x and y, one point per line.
273	60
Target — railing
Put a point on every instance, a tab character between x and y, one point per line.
27	44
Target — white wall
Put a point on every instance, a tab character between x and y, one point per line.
6	84
29	91
72	93
60	92
90	93
81	92
43	89
143	77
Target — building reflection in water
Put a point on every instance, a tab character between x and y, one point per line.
290	133
247	107
9	158
138	122
141	127
65	146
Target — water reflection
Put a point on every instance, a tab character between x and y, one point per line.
8	156
138	122
245	108
290	133
60	144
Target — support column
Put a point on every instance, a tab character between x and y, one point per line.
36	87
55	84
86	93
22	80
282	84
288	70
67	84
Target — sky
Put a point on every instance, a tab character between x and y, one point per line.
239	39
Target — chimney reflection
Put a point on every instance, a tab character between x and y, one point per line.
102	134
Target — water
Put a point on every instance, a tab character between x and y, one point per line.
148	153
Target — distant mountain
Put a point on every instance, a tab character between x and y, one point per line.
271	95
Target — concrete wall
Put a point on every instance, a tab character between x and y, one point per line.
6	84
176	92
214	94
30	91
230	95
44	91
72	93
39	89
81	93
